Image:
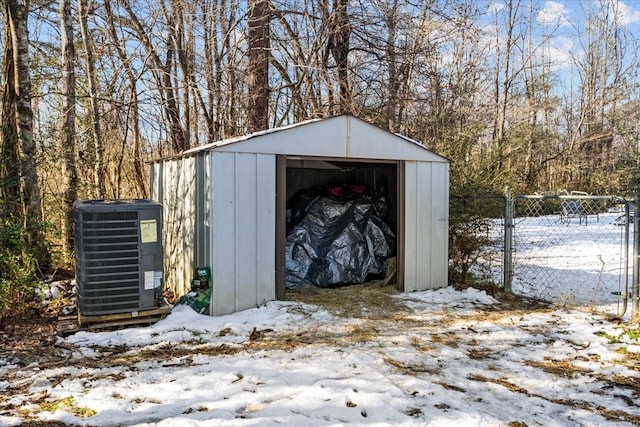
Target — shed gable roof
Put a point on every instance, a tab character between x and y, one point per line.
342	136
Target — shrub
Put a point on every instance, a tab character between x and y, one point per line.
468	240
18	267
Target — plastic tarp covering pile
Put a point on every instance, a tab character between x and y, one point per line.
336	238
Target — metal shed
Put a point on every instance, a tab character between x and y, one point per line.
224	204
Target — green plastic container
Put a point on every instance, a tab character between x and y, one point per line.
199	303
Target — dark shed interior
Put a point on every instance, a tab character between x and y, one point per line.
315	176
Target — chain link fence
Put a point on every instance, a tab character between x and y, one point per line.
571	249
476	238
567	249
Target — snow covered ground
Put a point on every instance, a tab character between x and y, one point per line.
435	358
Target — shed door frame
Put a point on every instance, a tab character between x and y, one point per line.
281	225
281	206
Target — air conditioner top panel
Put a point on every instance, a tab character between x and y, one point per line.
104	205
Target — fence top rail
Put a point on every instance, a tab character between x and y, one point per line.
571	197
477	196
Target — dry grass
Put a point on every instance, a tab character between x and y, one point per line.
632	383
562	368
479	353
606	413
377	316
366	301
409	369
500	381
448	339
450	387
421	345
353	334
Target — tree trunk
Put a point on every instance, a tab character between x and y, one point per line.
18	11
133	104
98	143
9	148
18	15
68	130
339	47
210	43
162	76
393	85
184	40
259	54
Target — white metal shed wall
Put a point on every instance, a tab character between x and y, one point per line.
243	230
426	225
174	185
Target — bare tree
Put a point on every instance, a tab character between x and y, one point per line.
9	148
338	47
18	130
162	73
68	130
606	60
304	85
173	74
92	80
504	76
18	11
133	124
259	18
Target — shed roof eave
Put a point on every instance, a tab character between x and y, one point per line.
240	138
418	143
336	137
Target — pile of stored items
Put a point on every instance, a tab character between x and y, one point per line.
336	235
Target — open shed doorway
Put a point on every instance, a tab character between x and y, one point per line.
296	174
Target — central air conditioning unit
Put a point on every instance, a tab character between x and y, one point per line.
118	251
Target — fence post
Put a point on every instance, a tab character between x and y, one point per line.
635	290
627	253
508	240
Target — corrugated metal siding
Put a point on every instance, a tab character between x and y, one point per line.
174	185
202	187
266	223
156	181
426	225
412	205
440	225
188	223
243	230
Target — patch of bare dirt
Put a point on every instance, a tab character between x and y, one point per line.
28	337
